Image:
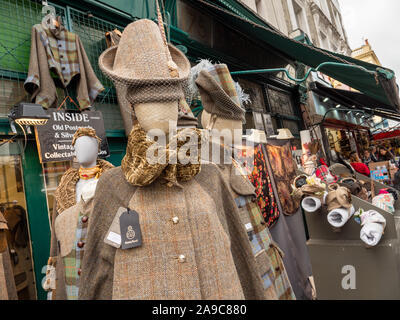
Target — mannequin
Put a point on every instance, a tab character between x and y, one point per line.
238	184
86	149
177	209
71	216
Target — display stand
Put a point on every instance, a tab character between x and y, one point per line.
344	268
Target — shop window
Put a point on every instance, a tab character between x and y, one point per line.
52	173
13	208
255	93
280	102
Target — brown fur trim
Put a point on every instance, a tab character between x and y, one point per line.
65	193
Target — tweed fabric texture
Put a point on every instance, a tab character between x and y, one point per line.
73	260
141	62
153	271
90	132
8	290
218	94
140	172
65	194
69	229
62	52
261	240
338	197
113	191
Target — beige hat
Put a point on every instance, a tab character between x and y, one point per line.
151	70
256	136
338	197
284	134
219	94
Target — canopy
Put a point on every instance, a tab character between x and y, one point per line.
358	100
375	81
387	135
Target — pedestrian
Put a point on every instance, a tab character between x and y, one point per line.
384	154
367	157
373	153
358	165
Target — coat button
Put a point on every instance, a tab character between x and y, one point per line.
277	269
253	199
79	272
81	244
182	258
175	220
85	219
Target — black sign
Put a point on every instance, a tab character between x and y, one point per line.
55	137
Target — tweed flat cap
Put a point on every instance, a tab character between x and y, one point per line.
90	132
151	70
218	93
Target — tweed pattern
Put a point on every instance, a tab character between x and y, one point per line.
214	98
8	290
338	197
3	284
70	229
153	271
62	52
142	62
140	172
277	272
113	192
65	194
85	132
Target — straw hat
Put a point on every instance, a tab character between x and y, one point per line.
284	134
151	69
256	136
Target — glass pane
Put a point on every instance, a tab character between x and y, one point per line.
280	102
52	173
13	207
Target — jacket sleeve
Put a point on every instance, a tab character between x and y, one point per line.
229	216
39	83
89	85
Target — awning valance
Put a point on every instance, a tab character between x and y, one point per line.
357	100
375	81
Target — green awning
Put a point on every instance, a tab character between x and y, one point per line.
374	81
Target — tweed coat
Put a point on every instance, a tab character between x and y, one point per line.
8	290
218	260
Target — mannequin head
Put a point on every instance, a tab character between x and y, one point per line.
86	149
227	128
157	115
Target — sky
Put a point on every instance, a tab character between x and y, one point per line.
379	22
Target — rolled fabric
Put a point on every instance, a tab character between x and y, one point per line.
373	225
338	217
311	204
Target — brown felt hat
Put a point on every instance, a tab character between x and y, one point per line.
151	70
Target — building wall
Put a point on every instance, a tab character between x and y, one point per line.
321	20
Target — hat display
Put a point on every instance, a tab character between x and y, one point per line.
284	134
338	197
256	136
219	93
150	69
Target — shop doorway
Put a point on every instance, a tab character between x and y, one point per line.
13	207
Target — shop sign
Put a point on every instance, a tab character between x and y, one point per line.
55	137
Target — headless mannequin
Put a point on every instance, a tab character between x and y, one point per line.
157	115
86	149
227	128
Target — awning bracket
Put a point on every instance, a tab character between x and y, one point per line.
324	64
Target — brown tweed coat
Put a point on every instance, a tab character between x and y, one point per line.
8	290
219	260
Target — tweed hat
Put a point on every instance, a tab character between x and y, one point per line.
218	93
143	62
90	132
338	197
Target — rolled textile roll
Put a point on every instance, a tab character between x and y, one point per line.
311	204
338	217
373	225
